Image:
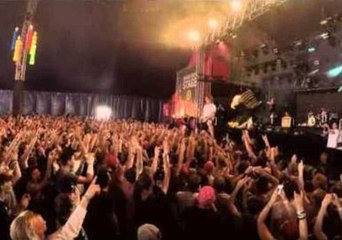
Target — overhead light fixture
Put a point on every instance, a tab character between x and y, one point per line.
325	35
326	21
314	72
311	49
194	36
298	43
236	5
334	72
213	23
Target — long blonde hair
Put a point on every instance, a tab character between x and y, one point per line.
22	227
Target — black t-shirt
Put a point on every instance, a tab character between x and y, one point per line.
250	229
202	224
64	179
100	222
123	209
232	224
4	221
156	210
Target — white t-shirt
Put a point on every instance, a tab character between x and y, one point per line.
209	111
332	138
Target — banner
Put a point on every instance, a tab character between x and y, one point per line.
217	62
187	83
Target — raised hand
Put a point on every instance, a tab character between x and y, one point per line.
273	198
301	167
249	170
25	201
336	201
166	147
93	189
327	200
294	159
156	151
242	182
298	201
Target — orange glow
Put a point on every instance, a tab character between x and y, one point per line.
194	36
213	23
236	5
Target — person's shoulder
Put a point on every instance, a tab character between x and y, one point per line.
190	210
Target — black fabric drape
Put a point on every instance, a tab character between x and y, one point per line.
83	104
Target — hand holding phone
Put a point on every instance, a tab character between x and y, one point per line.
280	188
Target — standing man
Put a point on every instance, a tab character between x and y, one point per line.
272	111
208	114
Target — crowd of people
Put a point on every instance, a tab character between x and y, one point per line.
73	178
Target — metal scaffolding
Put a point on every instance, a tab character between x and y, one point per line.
251	9
20	67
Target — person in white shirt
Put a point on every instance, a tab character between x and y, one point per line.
208	114
332	135
30	225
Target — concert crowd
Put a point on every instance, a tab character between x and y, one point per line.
72	178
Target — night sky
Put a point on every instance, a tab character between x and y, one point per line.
92	46
116	46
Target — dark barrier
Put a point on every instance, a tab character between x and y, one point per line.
83	104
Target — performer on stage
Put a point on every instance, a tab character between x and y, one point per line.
323	117
311	119
272	111
208	114
243	107
332	134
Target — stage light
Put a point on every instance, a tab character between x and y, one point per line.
326	21
194	36
311	49
103	112
236	5
325	35
332	73
213	23
313	73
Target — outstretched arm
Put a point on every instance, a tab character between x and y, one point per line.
263	231
72	227
318	228
247	142
301	215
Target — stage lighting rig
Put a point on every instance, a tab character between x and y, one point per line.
242	11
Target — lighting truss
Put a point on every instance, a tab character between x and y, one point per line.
251	10
20	68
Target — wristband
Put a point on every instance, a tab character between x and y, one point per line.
301	215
